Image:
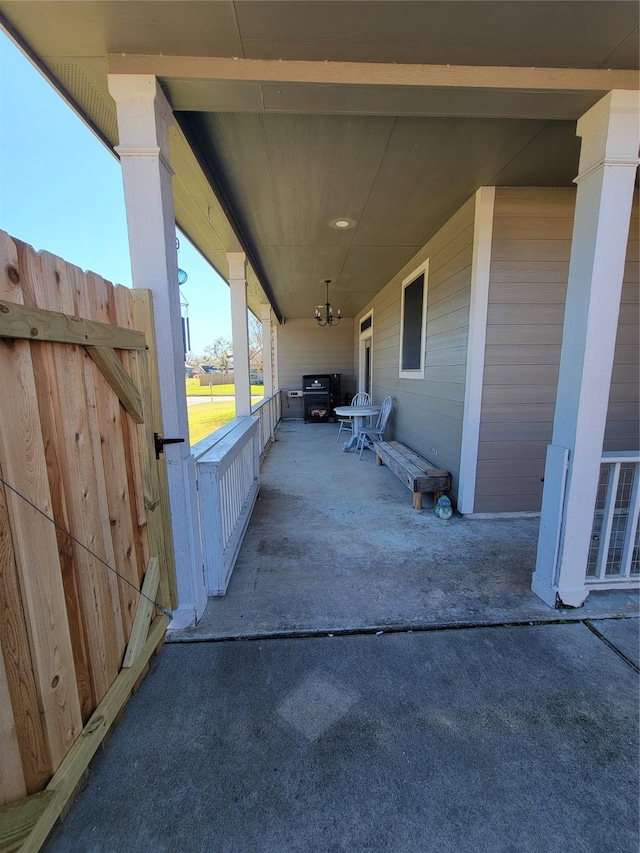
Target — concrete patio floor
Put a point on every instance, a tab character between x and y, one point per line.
390	739
482	739
334	545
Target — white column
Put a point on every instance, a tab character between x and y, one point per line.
610	134
144	117
240	331
474	381
267	350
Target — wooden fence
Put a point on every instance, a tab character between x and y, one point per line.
79	405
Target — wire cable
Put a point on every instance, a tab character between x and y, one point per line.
88	550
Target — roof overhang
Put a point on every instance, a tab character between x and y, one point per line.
292	114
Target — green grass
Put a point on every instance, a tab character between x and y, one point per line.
207	417
195	389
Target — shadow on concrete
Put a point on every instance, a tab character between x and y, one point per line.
334	545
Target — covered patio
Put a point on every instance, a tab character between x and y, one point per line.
334	546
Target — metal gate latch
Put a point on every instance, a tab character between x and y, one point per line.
159	443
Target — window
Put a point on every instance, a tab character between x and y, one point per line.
413	322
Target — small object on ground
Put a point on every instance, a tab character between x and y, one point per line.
443	508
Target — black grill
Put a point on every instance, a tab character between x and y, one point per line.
321	394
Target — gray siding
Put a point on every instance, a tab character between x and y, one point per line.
529	271
304	347
428	413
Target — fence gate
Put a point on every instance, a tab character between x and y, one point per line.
79	406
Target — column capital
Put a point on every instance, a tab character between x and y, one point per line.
237	265
144	115
265	312
610	133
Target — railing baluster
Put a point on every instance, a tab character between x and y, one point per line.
607	520
229	479
618	525
632	526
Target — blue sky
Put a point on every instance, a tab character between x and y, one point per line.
61	190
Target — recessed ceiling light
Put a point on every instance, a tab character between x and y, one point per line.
342	223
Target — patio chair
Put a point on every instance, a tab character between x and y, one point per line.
360	399
377	431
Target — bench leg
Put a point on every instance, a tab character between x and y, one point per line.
436	497
379	461
417	500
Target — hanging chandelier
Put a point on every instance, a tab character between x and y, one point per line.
329	318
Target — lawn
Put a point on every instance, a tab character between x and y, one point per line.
195	389
207	417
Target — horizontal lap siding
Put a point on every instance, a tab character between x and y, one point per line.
528	281
306	348
428	413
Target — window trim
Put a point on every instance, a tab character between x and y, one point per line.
415	373
362	337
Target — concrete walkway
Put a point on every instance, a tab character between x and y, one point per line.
484	739
334	545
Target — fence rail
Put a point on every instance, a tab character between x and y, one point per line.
614	556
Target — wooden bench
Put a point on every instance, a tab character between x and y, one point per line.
416	473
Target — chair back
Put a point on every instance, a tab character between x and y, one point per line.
361	399
383	415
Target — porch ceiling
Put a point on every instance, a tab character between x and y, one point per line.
267	154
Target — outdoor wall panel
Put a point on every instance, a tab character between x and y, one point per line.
428	412
528	281
306	348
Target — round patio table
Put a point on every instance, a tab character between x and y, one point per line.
359	415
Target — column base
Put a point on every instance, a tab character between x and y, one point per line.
184	617
556	597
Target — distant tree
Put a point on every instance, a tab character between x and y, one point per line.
255	342
218	353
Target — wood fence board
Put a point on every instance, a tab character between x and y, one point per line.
14	644
121	312
160	521
22	321
94	303
143	613
99	401
79	447
70	773
34	539
18	820
12	781
111	368
72	449
48	403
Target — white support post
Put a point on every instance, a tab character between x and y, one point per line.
267	351
610	134
144	117
240	331
478	311
267	363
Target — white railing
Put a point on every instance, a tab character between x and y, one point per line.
228	481
614	556
269	411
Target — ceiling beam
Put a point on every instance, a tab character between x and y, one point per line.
375	74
